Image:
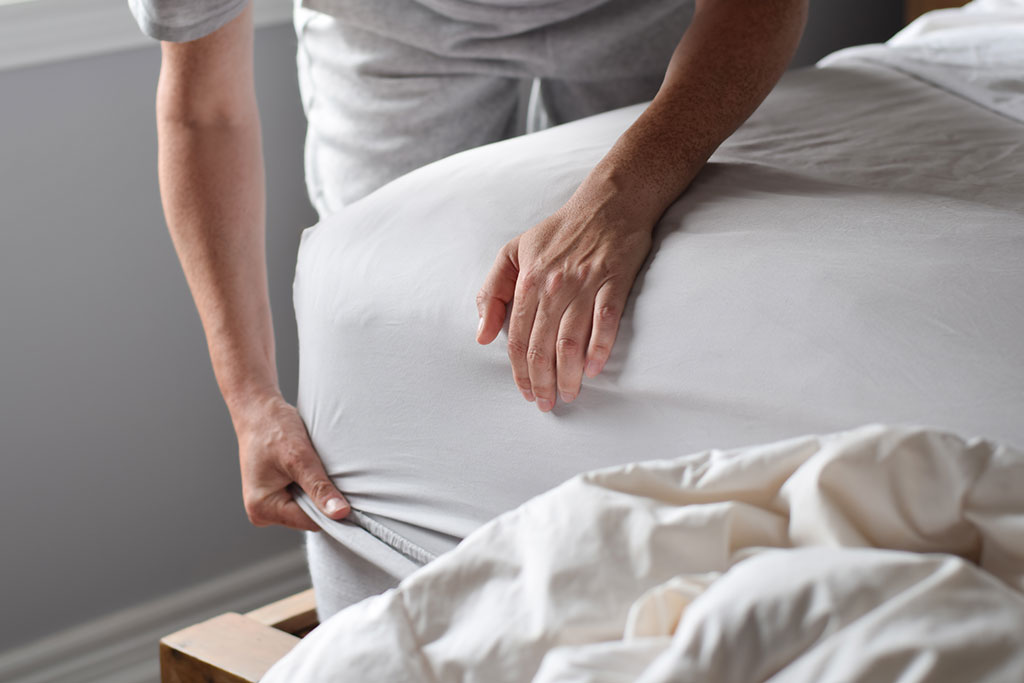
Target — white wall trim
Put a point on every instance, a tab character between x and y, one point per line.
41	31
122	647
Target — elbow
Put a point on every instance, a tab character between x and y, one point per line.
182	108
199	89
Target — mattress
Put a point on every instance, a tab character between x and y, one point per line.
853	254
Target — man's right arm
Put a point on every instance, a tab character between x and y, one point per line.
212	187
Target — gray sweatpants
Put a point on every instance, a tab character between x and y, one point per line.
386	93
392	85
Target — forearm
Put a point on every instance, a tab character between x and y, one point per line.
212	186
726	63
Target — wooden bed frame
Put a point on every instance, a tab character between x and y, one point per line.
240	648
912	9
237	648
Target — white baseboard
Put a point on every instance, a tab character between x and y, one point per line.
122	647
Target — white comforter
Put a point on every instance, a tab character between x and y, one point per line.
871	555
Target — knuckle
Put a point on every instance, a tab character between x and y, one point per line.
256	515
568	390
600	350
516	349
613	263
553	283
567	347
320	489
520	311
535	356
544	392
528	279
568	385
523	382
292	460
482	300
607	313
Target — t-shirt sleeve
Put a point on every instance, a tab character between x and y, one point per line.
180	21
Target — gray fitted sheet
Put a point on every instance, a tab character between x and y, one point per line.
854	254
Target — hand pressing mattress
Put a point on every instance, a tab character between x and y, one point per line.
852	254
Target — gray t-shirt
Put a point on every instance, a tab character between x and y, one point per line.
184	20
180	21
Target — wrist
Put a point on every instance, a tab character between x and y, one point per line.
612	192
652	163
249	404
246	375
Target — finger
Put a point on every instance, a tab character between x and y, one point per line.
308	472
279	508
291	515
540	356
573	335
497	292
524	309
608	306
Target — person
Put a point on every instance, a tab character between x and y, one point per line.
391	85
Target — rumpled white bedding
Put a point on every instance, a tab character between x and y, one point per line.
976	51
873	555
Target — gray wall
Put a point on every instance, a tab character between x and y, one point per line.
119	480
120	476
832	24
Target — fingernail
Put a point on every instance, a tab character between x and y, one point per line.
528	395
568	398
480	326
544	404
592	368
334	506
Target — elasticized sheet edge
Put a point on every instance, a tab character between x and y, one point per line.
337	529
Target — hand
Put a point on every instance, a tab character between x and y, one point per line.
274	450
567	279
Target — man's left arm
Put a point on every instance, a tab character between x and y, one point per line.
568	278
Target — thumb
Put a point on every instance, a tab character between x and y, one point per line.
497	292
314	481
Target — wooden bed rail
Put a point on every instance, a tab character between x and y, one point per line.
237	648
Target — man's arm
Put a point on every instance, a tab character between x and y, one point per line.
212	187
728	61
568	278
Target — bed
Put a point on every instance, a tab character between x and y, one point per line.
852	255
